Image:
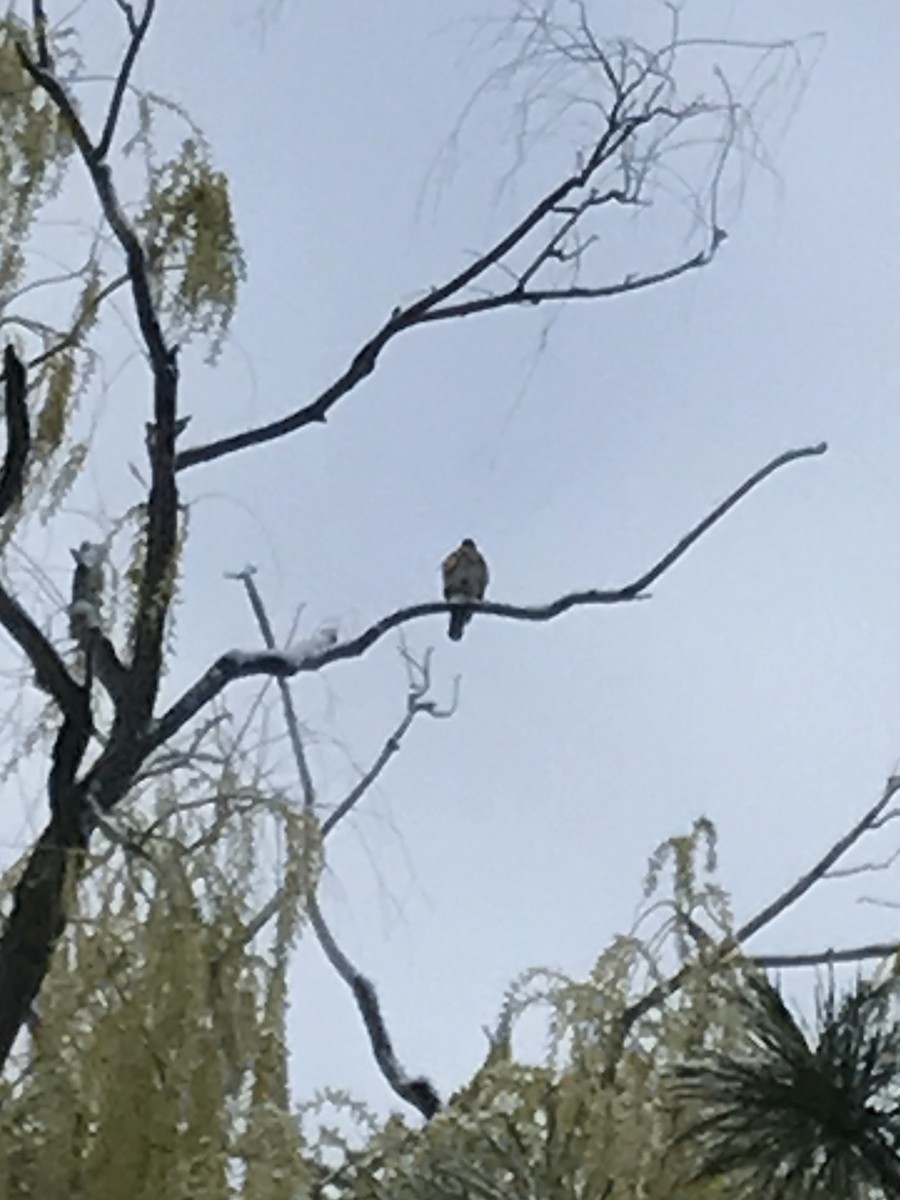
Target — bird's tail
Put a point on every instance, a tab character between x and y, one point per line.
459	618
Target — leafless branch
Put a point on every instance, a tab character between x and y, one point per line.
892	814
128	12
138	31
418	1092
644	99
32	928
38	913
416	703
18	431
162	501
240	665
39	20
792	894
287	700
865	867
49	670
818	958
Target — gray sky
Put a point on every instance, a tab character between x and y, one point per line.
757	687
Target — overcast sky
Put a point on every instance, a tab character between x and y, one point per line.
758	686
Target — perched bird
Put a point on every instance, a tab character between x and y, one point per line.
465	578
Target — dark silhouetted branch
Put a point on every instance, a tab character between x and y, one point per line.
418	1092
49	670
156	583
35	923
452	300
138	31
39	19
18	432
241	665
825	958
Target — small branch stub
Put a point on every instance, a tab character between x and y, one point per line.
87	590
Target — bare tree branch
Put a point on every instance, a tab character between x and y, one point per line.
820	958
418	1092
635	104
416	703
287	700
792	894
162	503
39	908
31	931
138	32
18	431
39	20
49	669
435	305
722	951
240	665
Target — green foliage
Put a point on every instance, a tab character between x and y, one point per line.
599	1117
35	146
159	1054
185	221
193	247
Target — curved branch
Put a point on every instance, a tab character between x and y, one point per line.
39	20
720	953
619	130
420	1092
49	669
535	296
239	665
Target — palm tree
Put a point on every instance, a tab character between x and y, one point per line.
788	1117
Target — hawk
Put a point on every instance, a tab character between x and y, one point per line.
465	578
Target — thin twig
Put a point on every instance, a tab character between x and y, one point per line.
416	704
418	1092
818	958
138	32
792	894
